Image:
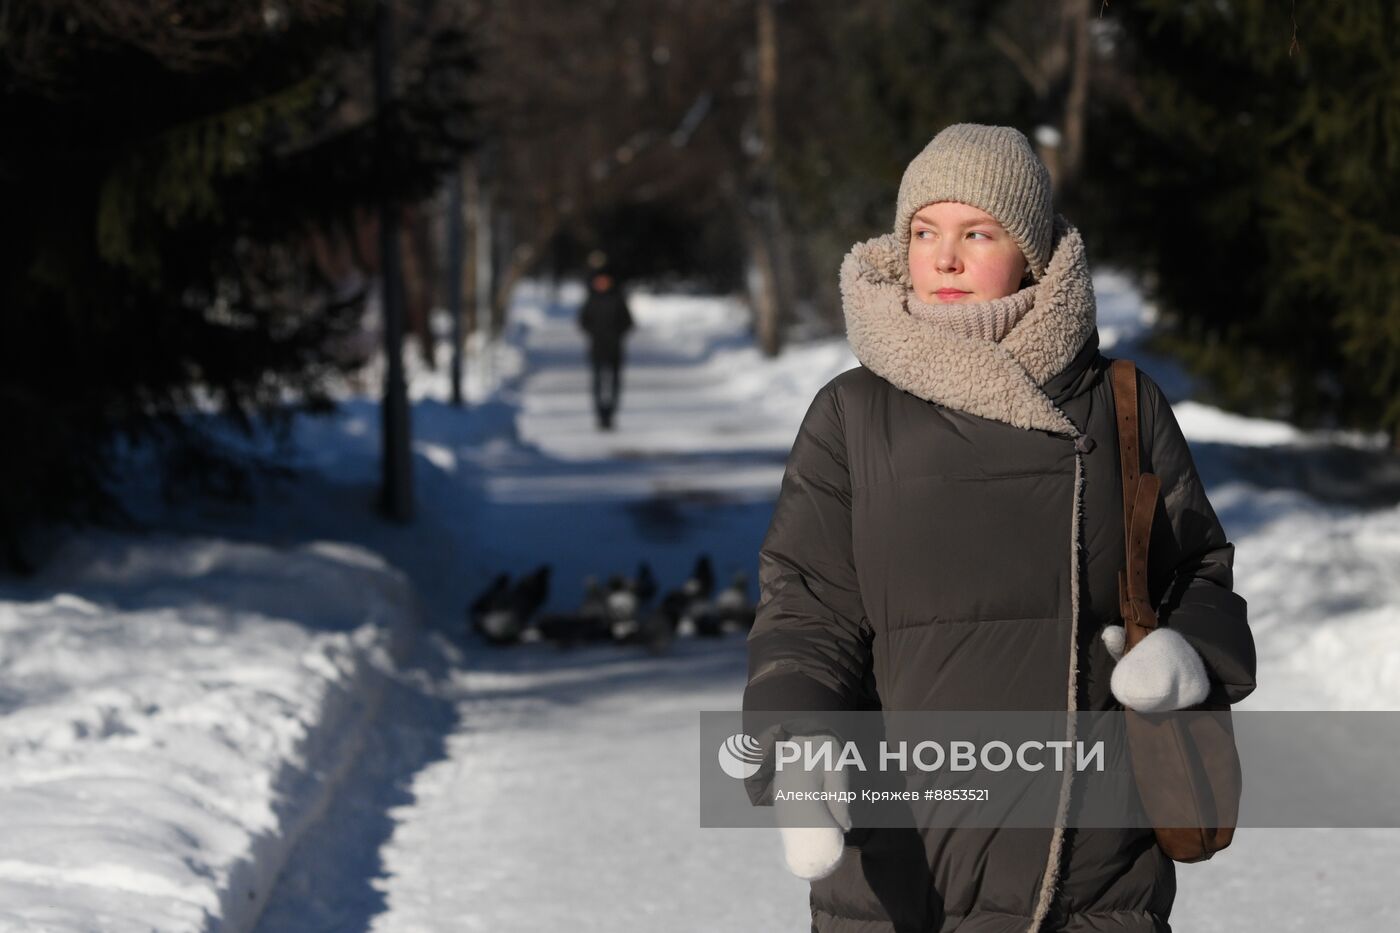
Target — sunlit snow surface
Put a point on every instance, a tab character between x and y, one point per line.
168	712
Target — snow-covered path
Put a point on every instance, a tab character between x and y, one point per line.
532	789
564	799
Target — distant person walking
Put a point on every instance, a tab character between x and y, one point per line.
605	318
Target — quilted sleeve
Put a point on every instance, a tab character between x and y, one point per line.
1191	559
809	648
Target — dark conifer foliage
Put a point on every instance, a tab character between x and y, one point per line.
1248	162
164	164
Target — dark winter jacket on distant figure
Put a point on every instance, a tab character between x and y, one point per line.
606	319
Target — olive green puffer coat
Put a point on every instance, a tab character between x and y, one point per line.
947	536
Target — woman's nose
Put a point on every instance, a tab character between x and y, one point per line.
948	260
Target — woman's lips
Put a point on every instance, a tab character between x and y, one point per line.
947	294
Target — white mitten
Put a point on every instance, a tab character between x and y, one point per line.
1163	672
813	831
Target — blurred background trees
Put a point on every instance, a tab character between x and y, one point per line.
1239	157
1246	162
192	186
187	189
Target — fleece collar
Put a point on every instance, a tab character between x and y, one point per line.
1003	381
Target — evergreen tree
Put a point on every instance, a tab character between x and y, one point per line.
165	163
1249	161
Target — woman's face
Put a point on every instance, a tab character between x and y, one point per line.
958	253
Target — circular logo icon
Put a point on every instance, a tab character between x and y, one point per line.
740	756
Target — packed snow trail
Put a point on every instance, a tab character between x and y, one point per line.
532	789
564	799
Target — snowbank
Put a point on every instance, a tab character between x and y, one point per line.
173	714
1324	598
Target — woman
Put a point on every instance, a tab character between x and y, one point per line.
948	536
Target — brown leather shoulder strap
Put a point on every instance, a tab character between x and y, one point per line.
1139	505
1123	374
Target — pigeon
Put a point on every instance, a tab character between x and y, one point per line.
593	612
627	604
704	618
499	625
657	632
490	613
532	592
488	596
703	575
688	607
622	604
644	584
673	606
501	615
732	605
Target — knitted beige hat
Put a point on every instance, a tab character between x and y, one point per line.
992	168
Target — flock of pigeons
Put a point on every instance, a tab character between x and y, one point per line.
621	612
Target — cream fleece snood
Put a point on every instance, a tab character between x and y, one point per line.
985	320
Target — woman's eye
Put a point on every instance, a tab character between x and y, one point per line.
977	233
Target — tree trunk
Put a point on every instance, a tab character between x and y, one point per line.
479	208
524	257
396	490
761	283
764	229
454	277
503	268
418	279
1076	109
